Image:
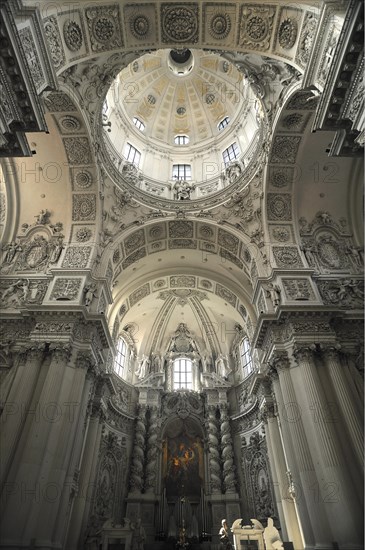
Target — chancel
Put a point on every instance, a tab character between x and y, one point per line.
181	343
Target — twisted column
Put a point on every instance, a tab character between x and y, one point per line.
136	478
229	477
151	457
213	450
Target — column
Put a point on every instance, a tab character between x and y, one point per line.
334	487
137	467
229	475
84	377
351	418
16	407
265	416
283	420
152	451
80	510
30	470
292	416
213	450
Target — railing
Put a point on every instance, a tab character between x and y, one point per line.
123	170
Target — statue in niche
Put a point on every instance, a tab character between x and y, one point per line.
143	367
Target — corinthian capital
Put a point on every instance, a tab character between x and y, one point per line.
60	352
330	351
279	360
304	351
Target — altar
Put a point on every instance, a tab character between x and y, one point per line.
247	538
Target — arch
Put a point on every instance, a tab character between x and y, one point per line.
135	27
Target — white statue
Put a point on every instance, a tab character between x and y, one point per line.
221	366
274	293
271	537
143	367
156	363
90	293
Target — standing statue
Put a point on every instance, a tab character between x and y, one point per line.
139	535
90	293
25	290
156	363
354	253
143	367
57	248
11	250
274	293
310	250
221	366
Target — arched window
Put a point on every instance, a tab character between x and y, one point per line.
223	123
245	356
181	140
181	171
132	154
231	153
182	373
121	358
139	124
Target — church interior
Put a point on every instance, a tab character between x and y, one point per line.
181	340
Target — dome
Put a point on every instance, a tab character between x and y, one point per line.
181	115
